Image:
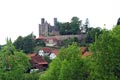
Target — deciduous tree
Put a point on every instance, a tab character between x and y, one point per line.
106	56
13	64
67	66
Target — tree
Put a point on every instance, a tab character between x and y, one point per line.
13	64
86	25
68	28
39	43
61	29
26	44
106	56
19	43
75	24
47	58
0	47
92	33
67	66
53	72
65	28
118	22
68	41
73	67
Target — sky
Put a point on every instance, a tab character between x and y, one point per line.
21	17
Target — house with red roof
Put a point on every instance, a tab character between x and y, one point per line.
51	42
40	38
85	52
45	51
54	53
37	62
83	49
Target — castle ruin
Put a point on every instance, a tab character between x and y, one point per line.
45	29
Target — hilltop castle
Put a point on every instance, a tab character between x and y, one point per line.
45	29
50	34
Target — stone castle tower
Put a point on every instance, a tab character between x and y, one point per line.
45	29
55	24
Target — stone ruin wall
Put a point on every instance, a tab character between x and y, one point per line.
63	37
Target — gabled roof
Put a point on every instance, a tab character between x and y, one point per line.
38	60
56	51
86	54
83	49
41	38
47	50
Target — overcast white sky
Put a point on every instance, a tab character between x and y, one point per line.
21	17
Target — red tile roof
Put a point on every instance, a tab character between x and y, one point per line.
86	54
38	62
83	49
55	51
41	37
47	50
38	59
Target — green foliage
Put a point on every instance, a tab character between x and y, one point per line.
64	28
13	64
69	41
85	26
75	24
53	72
67	66
39	43
19	43
68	28
47	58
106	56
32	76
92	33
26	44
0	47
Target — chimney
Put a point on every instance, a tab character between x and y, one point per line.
42	20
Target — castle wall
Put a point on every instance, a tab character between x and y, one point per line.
63	37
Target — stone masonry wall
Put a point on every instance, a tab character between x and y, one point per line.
63	37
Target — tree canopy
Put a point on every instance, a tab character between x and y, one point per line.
26	43
67	66
68	28
106	55
13	63
92	33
